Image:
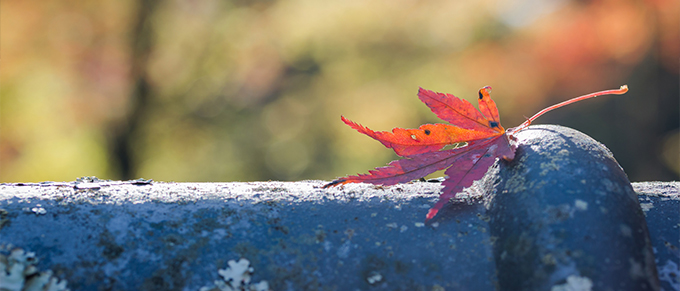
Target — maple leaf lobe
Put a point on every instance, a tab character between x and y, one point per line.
479	130
457	111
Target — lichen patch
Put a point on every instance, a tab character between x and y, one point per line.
516	183
236	277
18	273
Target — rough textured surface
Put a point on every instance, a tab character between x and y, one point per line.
175	236
102	235
564	208
660	202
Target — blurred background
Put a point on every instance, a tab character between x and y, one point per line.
253	90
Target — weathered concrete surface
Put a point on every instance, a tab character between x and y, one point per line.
661	203
175	236
564	214
102	235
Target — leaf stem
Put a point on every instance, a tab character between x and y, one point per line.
622	90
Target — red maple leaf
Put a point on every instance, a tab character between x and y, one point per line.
477	133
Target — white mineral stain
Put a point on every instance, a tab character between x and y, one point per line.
39	210
419	224
403	228
646	207
581	205
343	250
374	277
574	283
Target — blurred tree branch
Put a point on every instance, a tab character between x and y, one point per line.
121	142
